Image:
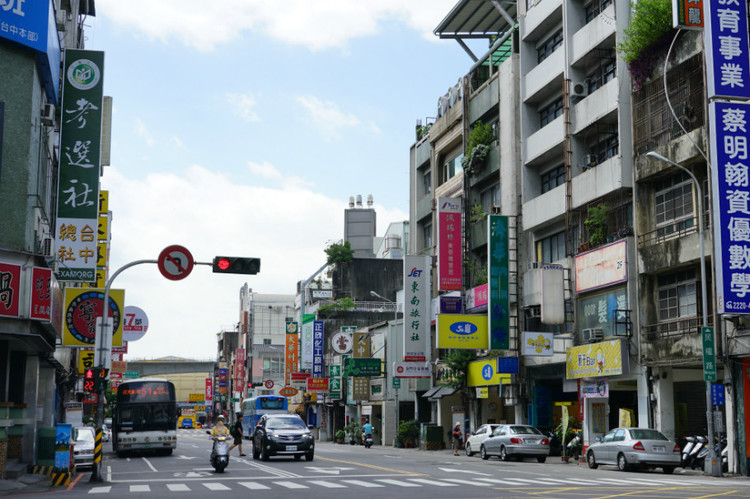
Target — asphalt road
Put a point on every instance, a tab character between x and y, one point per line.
345	471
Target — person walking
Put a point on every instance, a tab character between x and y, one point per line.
456	438
236	433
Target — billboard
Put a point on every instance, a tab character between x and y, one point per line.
450	254
417	289
498	309
462	331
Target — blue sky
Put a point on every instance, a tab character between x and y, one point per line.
243	130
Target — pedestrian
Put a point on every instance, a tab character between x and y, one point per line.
236	433
456	438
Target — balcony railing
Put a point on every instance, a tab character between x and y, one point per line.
674	328
675	230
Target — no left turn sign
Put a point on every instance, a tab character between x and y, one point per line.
175	262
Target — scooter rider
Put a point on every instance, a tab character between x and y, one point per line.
367	429
219	428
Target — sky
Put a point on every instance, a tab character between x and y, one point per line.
242	128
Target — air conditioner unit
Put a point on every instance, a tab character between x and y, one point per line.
579	89
48	246
592	334
60	17
48	114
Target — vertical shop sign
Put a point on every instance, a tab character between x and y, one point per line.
317	371
10	289
306	342
731	204
450	254
498	309
417	288
291	354
727	50
78	185
209	390
239	367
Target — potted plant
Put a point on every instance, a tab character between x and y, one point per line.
340	436
354	432
408	433
477	147
596	224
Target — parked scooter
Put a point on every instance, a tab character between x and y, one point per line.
686	450
367	440
698	453
220	452
575	446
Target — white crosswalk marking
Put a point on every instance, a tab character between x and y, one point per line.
254	485
398	482
330	485
100	490
463	481
140	488
292	485
432	482
178	487
362	483
216	486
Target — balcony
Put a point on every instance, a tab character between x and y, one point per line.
675	342
546	77
544	208
599	32
540	18
600	180
593	108
545	141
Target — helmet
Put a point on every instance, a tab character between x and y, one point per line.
220	417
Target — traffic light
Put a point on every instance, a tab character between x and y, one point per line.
89	381
236	265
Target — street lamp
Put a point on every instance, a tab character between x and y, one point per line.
714	466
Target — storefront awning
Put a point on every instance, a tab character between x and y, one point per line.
437	392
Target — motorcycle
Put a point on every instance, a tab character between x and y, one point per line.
575	446
220	452
690	443
367	440
698	453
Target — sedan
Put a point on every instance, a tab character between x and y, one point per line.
474	442
282	435
515	440
83	446
634	448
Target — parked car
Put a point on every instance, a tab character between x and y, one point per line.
282	435
474	442
515	440
83	451
634	448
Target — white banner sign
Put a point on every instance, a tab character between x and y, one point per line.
412	370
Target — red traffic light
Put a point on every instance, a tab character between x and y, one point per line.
223	263
236	265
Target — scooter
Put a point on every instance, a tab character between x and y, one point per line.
574	447
220	452
690	443
698	453
367	440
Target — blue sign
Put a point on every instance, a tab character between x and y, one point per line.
731	204
487	372
451	305
507	365
31	23
317	371
727	49
463	328
717	394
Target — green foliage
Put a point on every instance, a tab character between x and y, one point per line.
477	214
458	362
340	435
477	147
596	224
340	305
650	20
423	131
477	271
353	430
339	253
408	432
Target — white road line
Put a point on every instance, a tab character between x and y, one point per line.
149	464
100	490
216	486
524	480
140	488
292	485
109	468
330	485
399	483
178	487
362	483
432	482
254	485
463	481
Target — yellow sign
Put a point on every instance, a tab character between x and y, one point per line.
82	307
607	358
195	397
483	392
102	254
103	202
85	360
462	331
484	373
103	230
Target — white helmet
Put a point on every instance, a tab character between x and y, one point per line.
220	417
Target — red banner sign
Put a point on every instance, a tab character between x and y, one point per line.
317	384
209	390
10	289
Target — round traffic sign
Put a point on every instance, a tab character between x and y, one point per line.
135	324
175	262
288	391
269	383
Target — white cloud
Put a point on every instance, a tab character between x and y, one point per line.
212	214
144	133
265	170
242	105
319	24
327	116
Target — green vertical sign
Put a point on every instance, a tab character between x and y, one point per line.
498	308
396	383
709	354
80	158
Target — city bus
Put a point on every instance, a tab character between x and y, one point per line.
254	407
145	416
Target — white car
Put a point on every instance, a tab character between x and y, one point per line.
473	444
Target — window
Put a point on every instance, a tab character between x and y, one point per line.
603	74
553	178
595	8
452	168
427	235
490	197
551	249
673	204
427	182
607	148
548	113
678	295
549	46
266	341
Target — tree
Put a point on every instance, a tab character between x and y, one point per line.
339	252
458	362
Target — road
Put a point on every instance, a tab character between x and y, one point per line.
344	471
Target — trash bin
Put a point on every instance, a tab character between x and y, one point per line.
45	446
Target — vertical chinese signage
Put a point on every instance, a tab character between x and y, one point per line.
209	390
78	185
450	254
360	350
687	14
317	371
709	354
727	54
731	205
417	287
498	309
291	353
239	369
306	342
10	289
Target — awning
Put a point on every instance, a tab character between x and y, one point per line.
437	392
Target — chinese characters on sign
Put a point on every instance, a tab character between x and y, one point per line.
317	349
687	14
450	254
709	354
417	302
731	205
498	310
602	266
291	352
306	342
10	289
727	50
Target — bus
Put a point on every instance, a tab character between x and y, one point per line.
145	416
254	407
